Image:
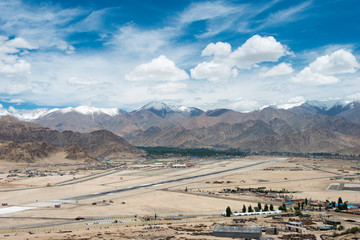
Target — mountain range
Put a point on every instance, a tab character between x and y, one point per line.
313	126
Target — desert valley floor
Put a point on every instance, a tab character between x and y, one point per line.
77	201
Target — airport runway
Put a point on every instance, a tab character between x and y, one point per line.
14	209
87	196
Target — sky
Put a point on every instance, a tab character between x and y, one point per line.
242	55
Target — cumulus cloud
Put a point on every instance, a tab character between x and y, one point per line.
258	49
278	70
220	49
212	71
224	64
10	62
308	77
321	71
159	69
340	61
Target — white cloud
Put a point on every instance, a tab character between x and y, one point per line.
255	50
220	49
278	70
168	88
64	46
130	39
321	71
353	97
340	61
13	100
159	69
10	62
308	77
16	88
212	71
206	10
284	16
292	102
258	49
20	66
76	80
244	105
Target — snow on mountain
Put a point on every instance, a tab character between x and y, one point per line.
30	115
162	109
160	106
324	105
91	110
26	115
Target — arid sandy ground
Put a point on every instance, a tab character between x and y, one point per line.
312	177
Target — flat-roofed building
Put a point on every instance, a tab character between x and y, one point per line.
251	232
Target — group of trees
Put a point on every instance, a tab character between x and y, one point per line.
199	152
340	205
258	208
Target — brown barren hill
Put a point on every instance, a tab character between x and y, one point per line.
97	144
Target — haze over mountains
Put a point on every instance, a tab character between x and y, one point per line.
313	126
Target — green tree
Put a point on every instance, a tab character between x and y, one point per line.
244	209
306	201
345	206
228	211
250	209
259	206
271	207
341	227
266	208
340	200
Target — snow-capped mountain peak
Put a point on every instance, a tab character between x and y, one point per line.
159	106
327	105
161	109
86	110
30	115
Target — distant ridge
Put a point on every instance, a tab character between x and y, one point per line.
314	126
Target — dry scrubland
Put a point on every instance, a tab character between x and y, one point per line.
311	176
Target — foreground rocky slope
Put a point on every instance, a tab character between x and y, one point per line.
27	136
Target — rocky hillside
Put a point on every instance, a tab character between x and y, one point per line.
269	130
97	144
314	126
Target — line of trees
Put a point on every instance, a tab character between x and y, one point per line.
258	208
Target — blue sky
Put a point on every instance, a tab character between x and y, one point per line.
209	54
